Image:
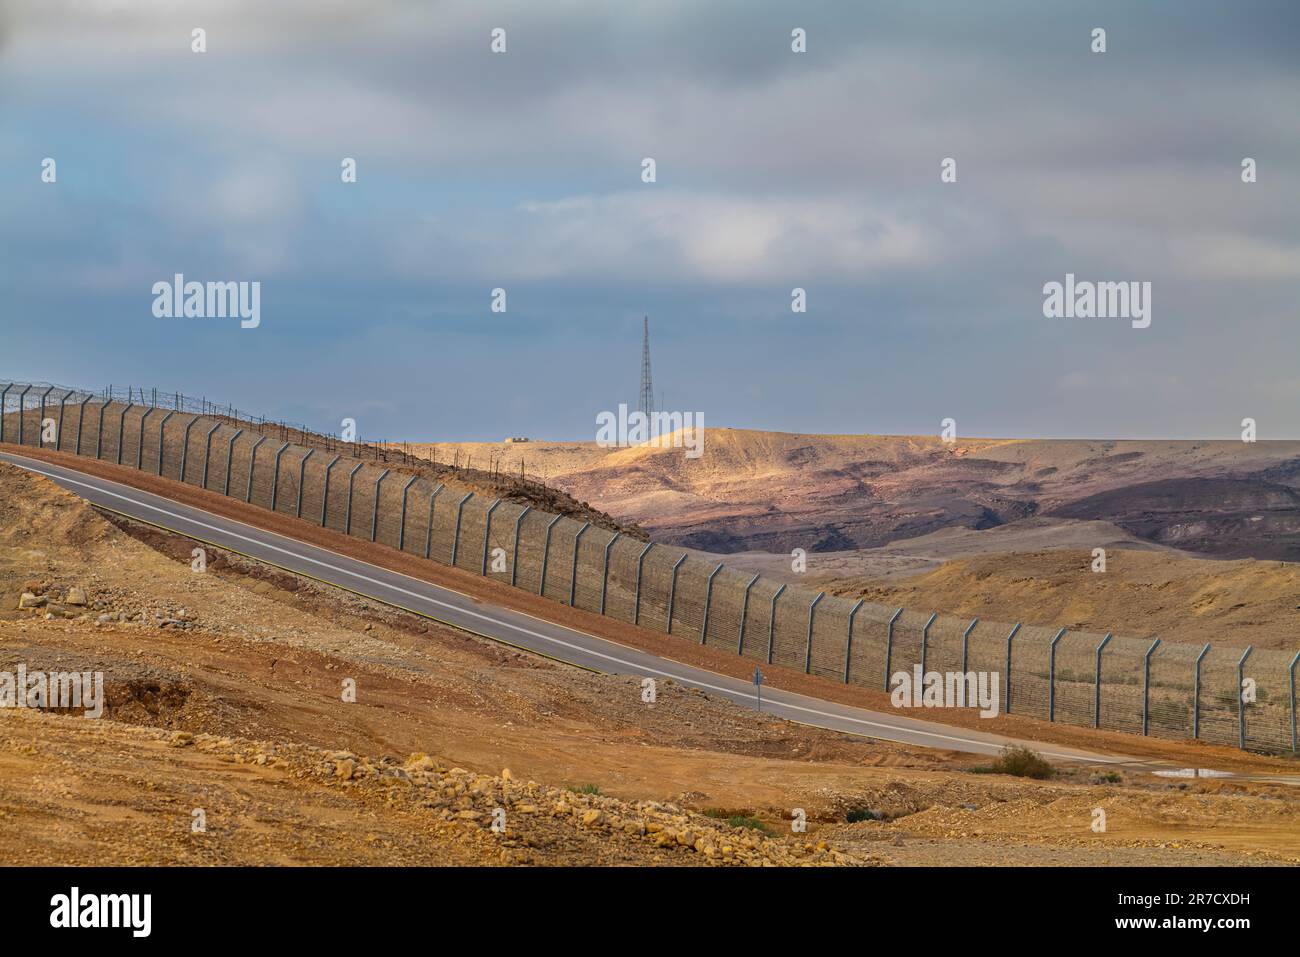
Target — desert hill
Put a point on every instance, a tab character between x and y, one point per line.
774	491
1141	594
223	696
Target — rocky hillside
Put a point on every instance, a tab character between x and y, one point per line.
773	491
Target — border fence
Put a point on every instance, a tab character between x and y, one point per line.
1232	696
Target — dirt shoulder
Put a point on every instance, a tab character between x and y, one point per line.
1183	753
224	694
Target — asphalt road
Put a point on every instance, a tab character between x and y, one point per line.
526	631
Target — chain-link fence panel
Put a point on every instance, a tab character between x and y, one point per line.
944	645
1072	677
591	568
1268	717
1122	678
905	651
726	603
501	541
1169	692
1218	696
620	595
1030	654
656	581
790	643
687	598
597	570
830	638
532	547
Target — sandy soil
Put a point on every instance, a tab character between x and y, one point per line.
999	529
773	491
1141	593
245	665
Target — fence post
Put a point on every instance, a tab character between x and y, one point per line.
185	446
275	478
807	655
708	599
965	645
1006	708
848	646
1146	684
1096	684
428	534
889	647
771	624
546	554
347	520
302	477
514	558
99	431
58	439
1291	672
161	426
1196	693
1051	677
230	455
640	560
252	466
121	430
40	423
487	528
374	512
1241	700
744	614
925	641
139	441
22	409
604	572
455	540
573	574
4	406
207	452
401	531
81	415
672	595
325	492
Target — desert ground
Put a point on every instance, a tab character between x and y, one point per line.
1201	537
223	697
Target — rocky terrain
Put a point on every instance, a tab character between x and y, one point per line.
774	491
1203	537
227	695
1231	603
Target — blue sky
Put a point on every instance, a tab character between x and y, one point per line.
522	170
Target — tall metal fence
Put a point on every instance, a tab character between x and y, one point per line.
1228	696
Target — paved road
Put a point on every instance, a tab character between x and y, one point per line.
525	631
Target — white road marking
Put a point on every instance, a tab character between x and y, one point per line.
1097	759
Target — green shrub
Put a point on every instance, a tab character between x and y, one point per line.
1020	762
737	819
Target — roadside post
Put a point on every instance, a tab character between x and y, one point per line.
758	684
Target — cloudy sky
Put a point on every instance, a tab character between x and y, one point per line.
775	170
